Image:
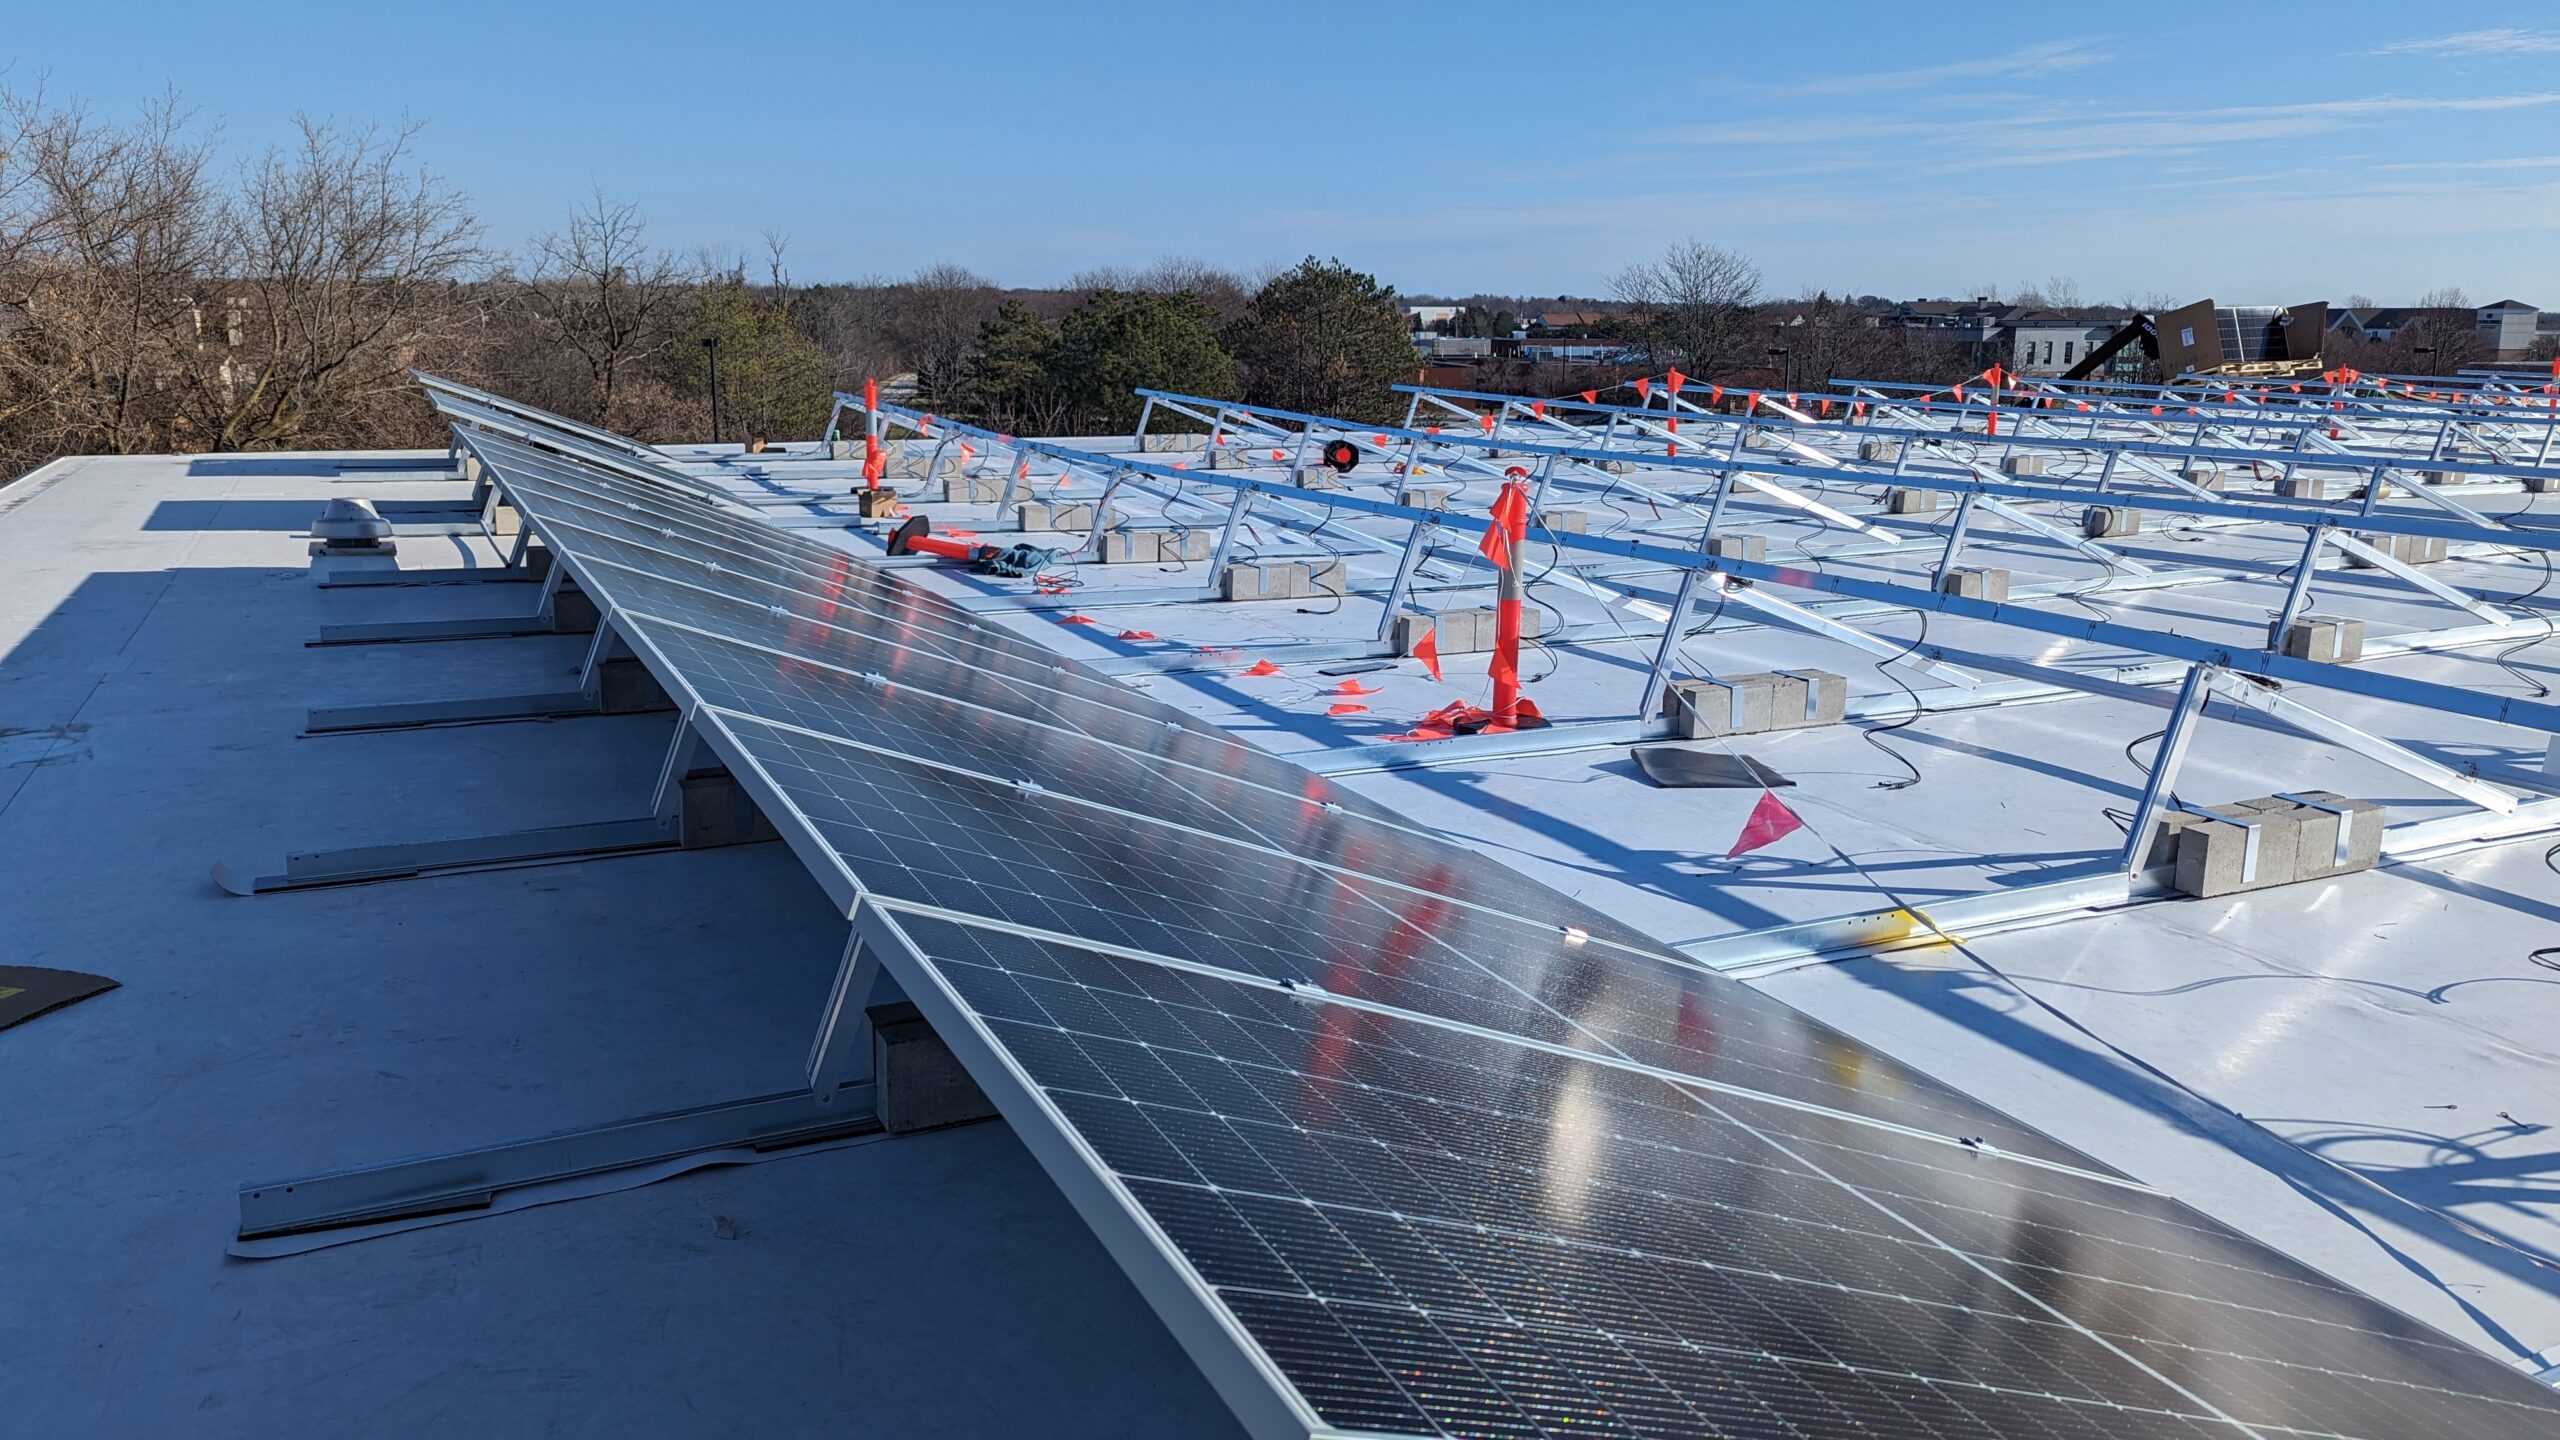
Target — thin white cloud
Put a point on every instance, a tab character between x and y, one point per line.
2052	57
1908	144
2511	162
2505	40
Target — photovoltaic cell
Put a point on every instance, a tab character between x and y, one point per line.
1479	1169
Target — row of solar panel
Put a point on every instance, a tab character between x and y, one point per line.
1451	1182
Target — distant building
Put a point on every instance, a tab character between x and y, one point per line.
1430	317
2508	327
1451	347
2049	342
1575	350
1574	320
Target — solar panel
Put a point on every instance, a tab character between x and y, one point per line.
1425	1149
1431	1231
1023	856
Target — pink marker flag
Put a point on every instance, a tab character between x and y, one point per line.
1771	821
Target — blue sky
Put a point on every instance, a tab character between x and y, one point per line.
2269	152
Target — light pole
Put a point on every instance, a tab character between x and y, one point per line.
711	348
1783	360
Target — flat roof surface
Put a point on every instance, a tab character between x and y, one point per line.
154	683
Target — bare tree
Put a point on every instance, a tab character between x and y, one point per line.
1228	292
104	233
934	319
1693	306
597	291
347	268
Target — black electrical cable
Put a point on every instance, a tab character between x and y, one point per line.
1870	734
2138	742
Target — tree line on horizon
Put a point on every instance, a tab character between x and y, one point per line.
151	300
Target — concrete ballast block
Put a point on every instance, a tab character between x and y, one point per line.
1975	582
2298	838
2237	847
1128	547
1269	580
1903	500
1755	703
2336	641
918	1084
717	811
2101	522
1044	515
624	686
2023	464
573	612
1879	452
1738	547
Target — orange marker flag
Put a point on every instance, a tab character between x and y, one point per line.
1137	634
1427	650
1381	439
1354	687
1715	394
1644	388
1485	421
1262	667
1675	380
1347	707
1771	821
1510	516
1075	619
1590	397
1538	409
